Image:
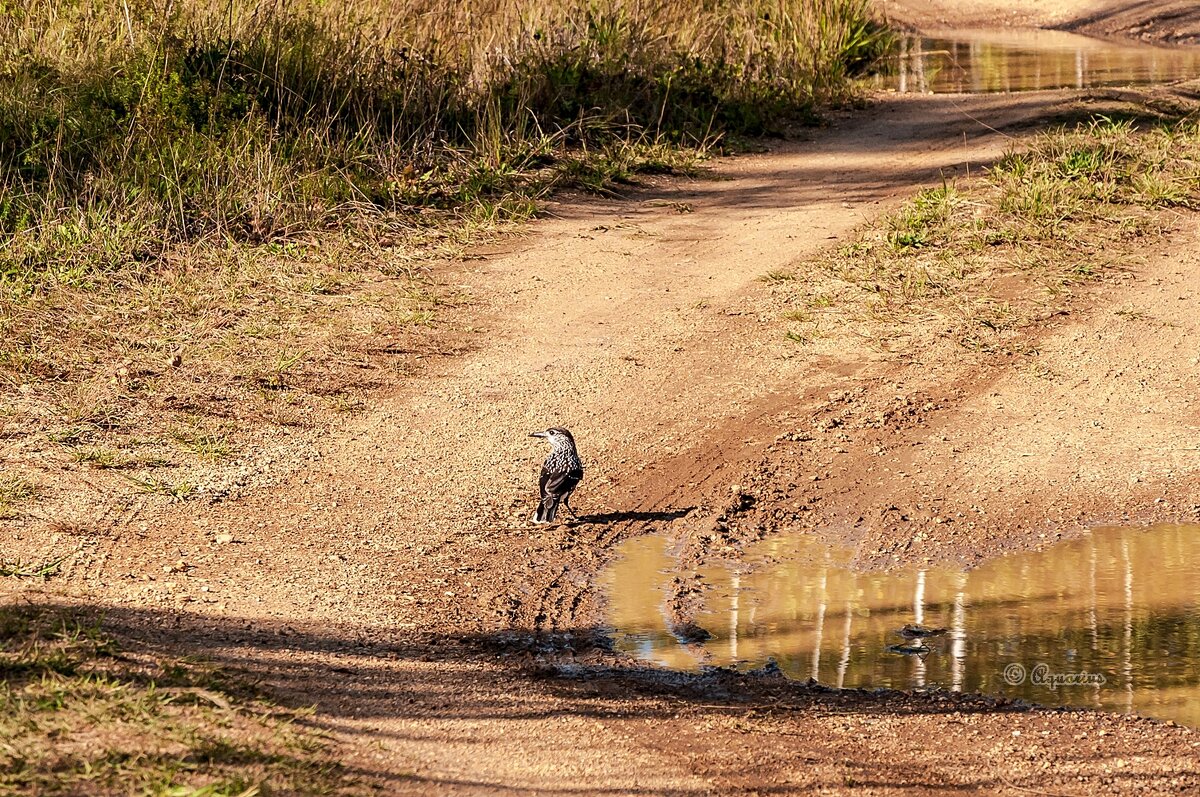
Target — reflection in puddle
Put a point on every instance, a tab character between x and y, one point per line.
1123	604
984	61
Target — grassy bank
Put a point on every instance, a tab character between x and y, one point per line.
216	214
984	257
125	134
80	716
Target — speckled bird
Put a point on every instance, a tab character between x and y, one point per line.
561	473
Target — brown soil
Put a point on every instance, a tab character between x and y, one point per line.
1175	22
1161	21
387	572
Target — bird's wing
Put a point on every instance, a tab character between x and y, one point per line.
558	482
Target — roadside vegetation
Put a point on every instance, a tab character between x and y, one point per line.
983	257
216	215
78	715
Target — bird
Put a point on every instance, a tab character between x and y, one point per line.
561	473
920	651
910	631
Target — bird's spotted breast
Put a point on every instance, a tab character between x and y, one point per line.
562	460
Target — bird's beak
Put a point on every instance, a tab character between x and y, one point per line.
537	434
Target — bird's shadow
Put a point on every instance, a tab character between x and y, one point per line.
626	517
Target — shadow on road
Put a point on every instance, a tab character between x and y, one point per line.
634	517
387	693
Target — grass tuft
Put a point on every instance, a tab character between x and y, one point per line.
14	491
17	568
176	491
98	457
778	276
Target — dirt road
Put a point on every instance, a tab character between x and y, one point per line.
389	574
1169	22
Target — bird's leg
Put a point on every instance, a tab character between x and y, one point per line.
567	504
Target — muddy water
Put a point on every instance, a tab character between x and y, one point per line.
1117	612
1027	60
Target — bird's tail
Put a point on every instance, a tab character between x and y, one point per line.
547	509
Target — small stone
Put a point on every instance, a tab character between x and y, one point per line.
224	539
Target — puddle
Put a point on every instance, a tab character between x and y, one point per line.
981	61
1117	612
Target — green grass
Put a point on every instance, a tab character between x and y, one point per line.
17	568
176	491
98	457
78	715
213	446
981	256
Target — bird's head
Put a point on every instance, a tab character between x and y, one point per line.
557	437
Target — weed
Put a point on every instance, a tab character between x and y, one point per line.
778	276
34	569
98	457
207	445
176	491
347	404
1132	315
415	317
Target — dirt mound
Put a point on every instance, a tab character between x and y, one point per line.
1165	21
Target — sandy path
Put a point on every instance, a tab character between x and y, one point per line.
390	576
